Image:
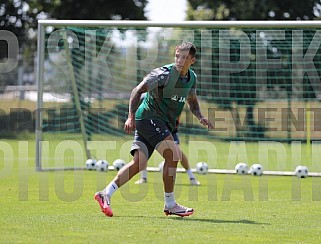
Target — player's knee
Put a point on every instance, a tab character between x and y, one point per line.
140	159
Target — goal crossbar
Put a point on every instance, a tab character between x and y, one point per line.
207	89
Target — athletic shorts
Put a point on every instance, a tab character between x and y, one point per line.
176	138
149	133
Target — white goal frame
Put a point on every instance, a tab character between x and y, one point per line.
42	24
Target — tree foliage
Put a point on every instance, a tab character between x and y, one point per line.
20	17
253	10
246	81
100	9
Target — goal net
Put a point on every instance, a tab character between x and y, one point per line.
258	82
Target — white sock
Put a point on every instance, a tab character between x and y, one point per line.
169	199
143	174
190	174
110	189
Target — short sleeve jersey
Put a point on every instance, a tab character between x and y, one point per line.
166	96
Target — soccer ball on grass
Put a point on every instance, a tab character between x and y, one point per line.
118	164
91	164
301	171
102	165
256	170
242	169
201	168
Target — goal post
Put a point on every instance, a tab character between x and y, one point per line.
258	81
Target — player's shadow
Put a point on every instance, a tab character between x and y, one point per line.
214	221
222	221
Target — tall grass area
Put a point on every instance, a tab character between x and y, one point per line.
58	206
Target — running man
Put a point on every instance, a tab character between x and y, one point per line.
168	88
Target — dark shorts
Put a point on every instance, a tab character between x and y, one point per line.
148	134
176	138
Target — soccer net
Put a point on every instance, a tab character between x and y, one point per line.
258	82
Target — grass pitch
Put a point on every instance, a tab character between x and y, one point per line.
58	207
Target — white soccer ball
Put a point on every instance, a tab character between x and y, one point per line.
91	164
201	168
161	166
256	170
118	164
301	171
102	165
242	169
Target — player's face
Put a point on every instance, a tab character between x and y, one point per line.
183	61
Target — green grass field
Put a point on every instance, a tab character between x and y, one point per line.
58	207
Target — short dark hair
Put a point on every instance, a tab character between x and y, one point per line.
187	46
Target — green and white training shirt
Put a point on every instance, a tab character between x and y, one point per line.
166	96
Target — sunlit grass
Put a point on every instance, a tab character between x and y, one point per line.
56	207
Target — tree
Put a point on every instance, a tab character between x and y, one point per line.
253	10
100	10
20	17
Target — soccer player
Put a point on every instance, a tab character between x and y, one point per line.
168	88
184	162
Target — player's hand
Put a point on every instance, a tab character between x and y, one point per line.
129	125
206	122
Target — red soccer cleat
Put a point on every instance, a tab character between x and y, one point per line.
104	203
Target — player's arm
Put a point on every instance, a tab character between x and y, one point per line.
134	102
194	106
135	98
150	82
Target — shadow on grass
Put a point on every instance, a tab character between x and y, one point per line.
214	221
222	221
